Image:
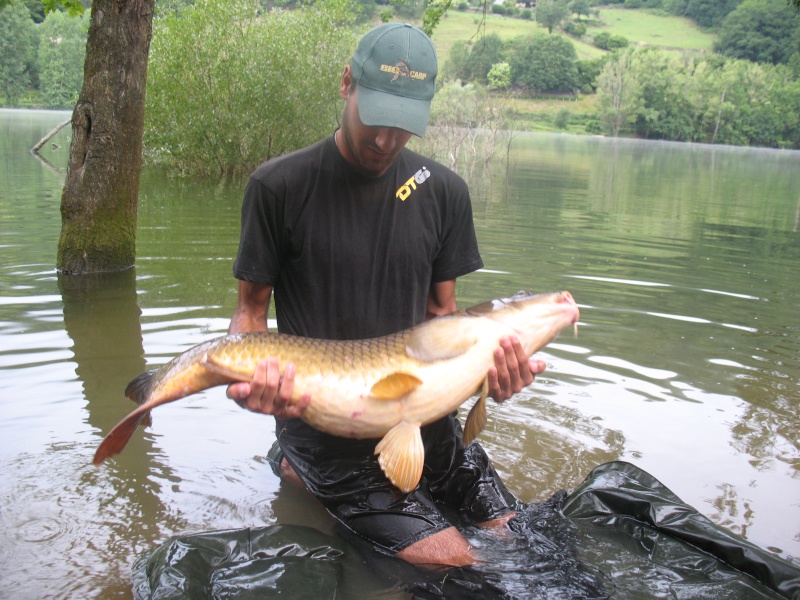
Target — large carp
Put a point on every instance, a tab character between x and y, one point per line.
385	387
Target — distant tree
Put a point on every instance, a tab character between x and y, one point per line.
764	31
618	93
551	13
706	13
485	53
582	8
588	72
18	43
544	63
61	56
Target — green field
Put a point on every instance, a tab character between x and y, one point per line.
646	28
640	27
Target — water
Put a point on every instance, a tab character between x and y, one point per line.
685	260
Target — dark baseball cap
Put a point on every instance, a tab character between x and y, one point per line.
395	66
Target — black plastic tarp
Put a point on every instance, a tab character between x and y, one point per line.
621	534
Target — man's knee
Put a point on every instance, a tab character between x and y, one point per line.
446	548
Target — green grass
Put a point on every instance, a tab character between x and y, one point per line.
640	27
647	28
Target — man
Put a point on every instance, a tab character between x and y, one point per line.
359	237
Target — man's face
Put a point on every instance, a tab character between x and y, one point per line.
371	150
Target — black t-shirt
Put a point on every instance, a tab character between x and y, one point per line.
350	256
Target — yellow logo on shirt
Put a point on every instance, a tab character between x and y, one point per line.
409	186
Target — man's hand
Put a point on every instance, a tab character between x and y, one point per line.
512	370
268	392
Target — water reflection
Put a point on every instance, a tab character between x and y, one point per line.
683	259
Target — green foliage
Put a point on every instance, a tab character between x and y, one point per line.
544	63
551	13
485	53
228	89
655	94
474	63
766	31
61	55
588	72
577	30
580	8
706	13
499	76
471	125
618	93
609	41
18	43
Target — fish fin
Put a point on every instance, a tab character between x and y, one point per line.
118	437
395	385
402	455
213	365
139	388
476	419
439	339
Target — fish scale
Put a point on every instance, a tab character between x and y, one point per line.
384	388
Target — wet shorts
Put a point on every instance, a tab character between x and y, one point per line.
345	476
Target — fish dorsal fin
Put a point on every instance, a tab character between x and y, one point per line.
476	419
439	339
395	385
402	455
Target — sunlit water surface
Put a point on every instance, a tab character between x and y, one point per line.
685	261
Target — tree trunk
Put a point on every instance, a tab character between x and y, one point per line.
100	197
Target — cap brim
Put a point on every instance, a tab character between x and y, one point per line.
379	109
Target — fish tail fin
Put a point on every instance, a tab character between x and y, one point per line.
118	437
402	455
476	419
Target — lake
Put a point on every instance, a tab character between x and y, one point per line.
684	259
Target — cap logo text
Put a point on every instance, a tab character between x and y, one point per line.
401	70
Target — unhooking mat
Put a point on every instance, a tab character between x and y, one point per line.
621	534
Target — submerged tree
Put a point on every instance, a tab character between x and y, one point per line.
100	197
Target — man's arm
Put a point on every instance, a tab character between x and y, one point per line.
268	392
512	370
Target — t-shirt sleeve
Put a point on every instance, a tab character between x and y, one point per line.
459	254
260	244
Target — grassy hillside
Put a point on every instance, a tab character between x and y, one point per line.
640	27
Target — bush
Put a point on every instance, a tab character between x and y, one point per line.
227	89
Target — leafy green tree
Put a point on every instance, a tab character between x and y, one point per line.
551	13
544	63
706	13
580	8
457	64
588	72
765	31
61	55
619	96
485	53
256	86
18	43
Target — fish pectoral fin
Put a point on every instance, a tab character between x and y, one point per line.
395	385
476	419
215	366
439	339
402	455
